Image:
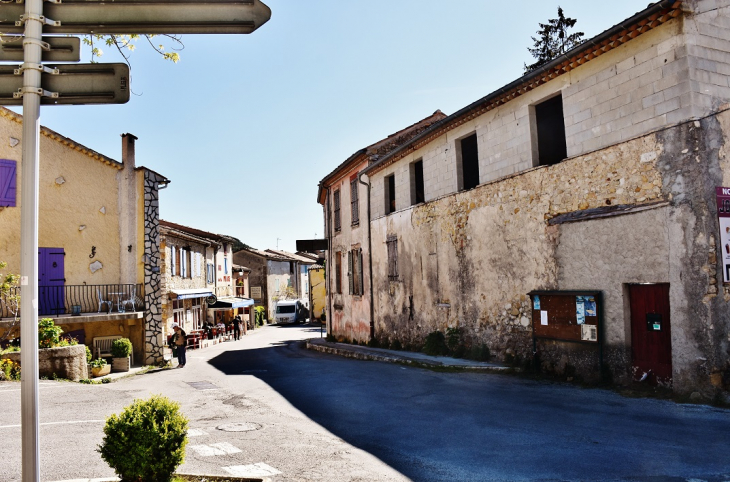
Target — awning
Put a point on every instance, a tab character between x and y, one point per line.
192	293
230	303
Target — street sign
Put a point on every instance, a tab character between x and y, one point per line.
62	49
143	17
74	84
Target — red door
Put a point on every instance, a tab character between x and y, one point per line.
651	334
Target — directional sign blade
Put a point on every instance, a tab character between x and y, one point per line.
144	16
75	84
63	49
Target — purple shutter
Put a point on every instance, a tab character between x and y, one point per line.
7	183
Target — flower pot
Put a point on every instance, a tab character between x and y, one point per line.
101	371
120	364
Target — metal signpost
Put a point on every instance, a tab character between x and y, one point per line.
80	84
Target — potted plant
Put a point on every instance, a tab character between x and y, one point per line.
99	368
121	350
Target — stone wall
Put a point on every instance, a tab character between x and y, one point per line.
67	362
154	334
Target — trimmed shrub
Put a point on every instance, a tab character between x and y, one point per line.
121	348
49	335
146	442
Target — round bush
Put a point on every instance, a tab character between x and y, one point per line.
146	442
121	348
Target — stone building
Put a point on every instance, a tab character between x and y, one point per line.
587	184
97	234
199	278
341	192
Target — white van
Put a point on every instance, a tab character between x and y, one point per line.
291	311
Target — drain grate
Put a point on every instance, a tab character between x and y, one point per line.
202	385
239	427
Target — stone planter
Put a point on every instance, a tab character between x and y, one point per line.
101	371
67	362
120	364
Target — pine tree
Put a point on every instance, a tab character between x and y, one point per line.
554	40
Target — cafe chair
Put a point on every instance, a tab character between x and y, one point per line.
131	302
103	301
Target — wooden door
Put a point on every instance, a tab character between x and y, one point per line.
51	281
651	334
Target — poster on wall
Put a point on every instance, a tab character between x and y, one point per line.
256	292
723	214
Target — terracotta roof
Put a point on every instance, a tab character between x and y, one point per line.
378	149
196	232
293	256
653	16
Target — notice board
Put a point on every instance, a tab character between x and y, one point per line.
566	315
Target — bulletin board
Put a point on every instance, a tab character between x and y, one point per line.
567	315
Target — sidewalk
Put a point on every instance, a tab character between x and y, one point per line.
405	357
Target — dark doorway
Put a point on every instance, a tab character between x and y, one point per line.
551	144
417	187
390	194
470	162
51	281
651	334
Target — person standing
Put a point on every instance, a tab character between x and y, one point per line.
179	340
237	328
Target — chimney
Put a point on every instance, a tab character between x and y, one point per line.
128	150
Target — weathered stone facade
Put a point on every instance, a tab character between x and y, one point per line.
154	342
646	129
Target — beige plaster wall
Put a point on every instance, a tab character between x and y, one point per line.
76	185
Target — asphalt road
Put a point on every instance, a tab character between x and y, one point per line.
264	403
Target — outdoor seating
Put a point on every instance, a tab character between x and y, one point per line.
103	301
131	302
103	346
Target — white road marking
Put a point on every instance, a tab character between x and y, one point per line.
49	385
222	448
57	423
254	470
194	432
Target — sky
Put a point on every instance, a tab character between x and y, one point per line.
246	126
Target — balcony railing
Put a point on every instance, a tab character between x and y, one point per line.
77	299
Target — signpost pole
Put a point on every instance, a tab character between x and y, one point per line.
29	241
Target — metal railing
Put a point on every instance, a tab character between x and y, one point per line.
78	299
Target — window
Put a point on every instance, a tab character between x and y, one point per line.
184	262
354	201
338	225
177	263
197	313
468	158
392	244
390	194
178	312
338	272
7	183
355	274
173	261
225	265
211	273
551	145
276	285
417	190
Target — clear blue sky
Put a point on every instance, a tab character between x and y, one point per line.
246	126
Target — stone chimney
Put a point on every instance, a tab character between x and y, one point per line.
128	150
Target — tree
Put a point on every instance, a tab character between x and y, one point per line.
238	245
125	44
553	40
10	299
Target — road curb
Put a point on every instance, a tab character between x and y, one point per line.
359	353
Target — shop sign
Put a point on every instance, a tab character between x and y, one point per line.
723	214
256	292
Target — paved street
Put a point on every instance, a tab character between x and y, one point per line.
266	405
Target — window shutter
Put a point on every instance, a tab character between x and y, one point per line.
359	256
349	271
172	260
7	183
183	262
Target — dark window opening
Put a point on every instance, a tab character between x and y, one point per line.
338	272
390	194
338	224
551	144
418	194
470	162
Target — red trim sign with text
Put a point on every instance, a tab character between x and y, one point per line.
723	213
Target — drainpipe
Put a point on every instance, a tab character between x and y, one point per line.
370	262
328	223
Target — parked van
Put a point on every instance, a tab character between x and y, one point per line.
291	311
